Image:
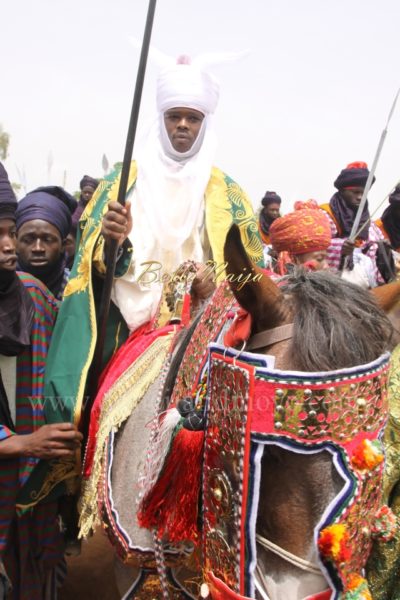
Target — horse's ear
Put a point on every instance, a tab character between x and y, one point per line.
387	295
252	288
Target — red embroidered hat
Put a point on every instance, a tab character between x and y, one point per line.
306	229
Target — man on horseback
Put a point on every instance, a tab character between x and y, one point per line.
182	208
341	211
301	237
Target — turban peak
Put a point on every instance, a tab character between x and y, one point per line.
58	192
354	175
187	85
301	231
48	203
271	198
8	201
88	181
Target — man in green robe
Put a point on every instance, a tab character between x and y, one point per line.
179	208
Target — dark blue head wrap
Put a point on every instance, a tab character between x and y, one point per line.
271	198
8	201
394	197
354	175
50	203
88	181
390	219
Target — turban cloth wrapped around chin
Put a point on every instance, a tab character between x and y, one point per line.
304	230
54	205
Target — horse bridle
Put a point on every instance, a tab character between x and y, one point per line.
270	336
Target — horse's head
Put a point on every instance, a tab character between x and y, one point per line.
326	396
258	294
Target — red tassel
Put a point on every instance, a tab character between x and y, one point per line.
171	506
240	329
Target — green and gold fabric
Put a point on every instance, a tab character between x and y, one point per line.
75	334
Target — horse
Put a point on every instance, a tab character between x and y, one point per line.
333	327
332	339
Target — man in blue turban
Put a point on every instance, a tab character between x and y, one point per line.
43	220
31	543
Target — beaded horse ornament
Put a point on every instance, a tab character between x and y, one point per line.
256	415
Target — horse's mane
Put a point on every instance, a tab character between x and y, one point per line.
336	324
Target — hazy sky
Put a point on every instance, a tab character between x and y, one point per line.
313	94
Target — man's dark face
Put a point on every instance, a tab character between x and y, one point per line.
87	192
8	241
39	244
183	126
271	211
352	196
70	241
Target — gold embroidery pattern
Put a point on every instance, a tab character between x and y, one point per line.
206	331
59	470
338	412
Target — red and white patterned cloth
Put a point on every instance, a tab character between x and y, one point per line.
335	248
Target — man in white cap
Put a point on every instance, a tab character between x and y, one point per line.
182	207
179	209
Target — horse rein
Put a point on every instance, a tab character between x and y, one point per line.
270	336
301	563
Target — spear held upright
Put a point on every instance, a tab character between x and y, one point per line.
354	229
112	247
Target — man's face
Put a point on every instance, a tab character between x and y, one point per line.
352	196
318	259
70	245
183	126
8	241
87	192
39	244
272	210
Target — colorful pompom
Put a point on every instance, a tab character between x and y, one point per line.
385	524
333	543
367	455
357	588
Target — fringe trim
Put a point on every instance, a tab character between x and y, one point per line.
118	403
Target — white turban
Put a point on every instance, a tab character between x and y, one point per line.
168	199
187	85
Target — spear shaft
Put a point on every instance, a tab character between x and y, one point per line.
356	223
112	248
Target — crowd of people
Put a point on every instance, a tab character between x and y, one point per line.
53	256
319	235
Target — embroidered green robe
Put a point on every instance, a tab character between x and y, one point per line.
74	337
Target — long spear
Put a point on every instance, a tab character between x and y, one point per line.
356	223
112	247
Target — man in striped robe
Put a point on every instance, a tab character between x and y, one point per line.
30	540
341	210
